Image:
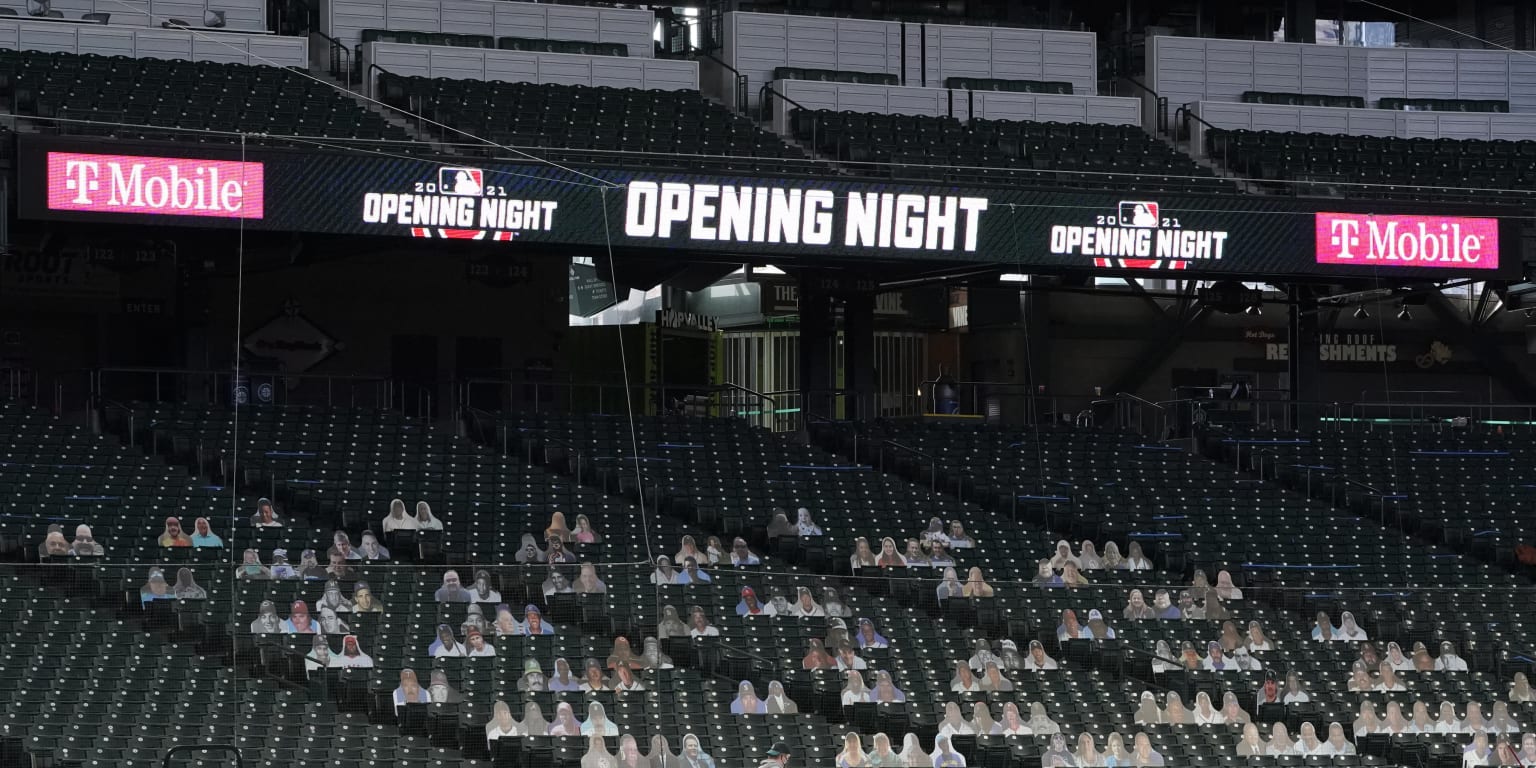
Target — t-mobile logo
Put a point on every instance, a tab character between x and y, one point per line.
1388	240
1344	237
80	177
167	186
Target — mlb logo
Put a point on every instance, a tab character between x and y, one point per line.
466	182
1139	213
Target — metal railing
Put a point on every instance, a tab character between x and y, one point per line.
1159	100
190	385
1181	118
765	105
933	463
739	93
180	748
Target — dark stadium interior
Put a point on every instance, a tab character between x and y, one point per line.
777	383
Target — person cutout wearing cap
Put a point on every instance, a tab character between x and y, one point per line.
298	621
592	677
747	701
751	606
1216	660
475	644
778	756
534	623
528	552
281	568
1097	628
319	657
1037	660
267	622
944	756
533	679
410	691
310	568
362	600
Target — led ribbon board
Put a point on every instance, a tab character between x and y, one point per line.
789	219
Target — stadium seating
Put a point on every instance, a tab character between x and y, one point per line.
1302	99
1002	151
130	98
834	76
1389	168
1445	105
1452	487
594	124
1017	86
1016	492
489	41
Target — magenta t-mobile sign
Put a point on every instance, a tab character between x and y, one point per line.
1457	242
166	186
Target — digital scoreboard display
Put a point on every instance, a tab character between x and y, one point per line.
1030	229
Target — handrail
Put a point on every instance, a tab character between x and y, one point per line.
1188	113
734	387
749	654
1160	100
368	74
1365	393
933	463
337	45
1137	398
1176	663
740	96
311	12
173	751
229	372
1351	481
909	449
763	104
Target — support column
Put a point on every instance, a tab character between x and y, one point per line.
818	333
1301	21
1301	333
1522	25
859	356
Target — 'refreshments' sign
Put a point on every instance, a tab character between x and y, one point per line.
799	216
1138	235
1456	242
166	186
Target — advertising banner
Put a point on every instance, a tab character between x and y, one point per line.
789	219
